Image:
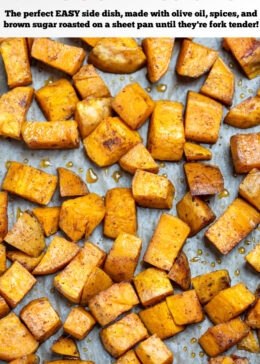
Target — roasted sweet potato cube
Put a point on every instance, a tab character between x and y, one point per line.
253	315
15	283
195	212
152	285
138	158
2	259
154	351
235	224
249	343
88	83
220	83
110	141
29	183
247	53
41	318
58	55
133	105
72	361
27	235
233	359
91	41
65	346
245	115
13	110
158	52
81	215
70	282
202	118
166	129
123	257
52	135
120	214
4	308
221	337
3	215
151	190
123	335
158	320
117	55
27	359
203	179
245	149
210	284
107	305
97	281
71	184
79	323
15	340
57	100
25	260
16	61
180	271
249	188
185	308
48	218
253	258
194	59
195	152
168	239
128	358
59	253
89	113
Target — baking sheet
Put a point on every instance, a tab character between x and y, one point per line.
210	260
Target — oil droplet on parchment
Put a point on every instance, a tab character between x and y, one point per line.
116	176
91	176
224	193
44	163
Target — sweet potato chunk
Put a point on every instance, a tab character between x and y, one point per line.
166	129
15	340
65	346
154	351
27	359
221	337
41	319
29	183
72	361
79	323
152	285
245	149
158	320
123	335
91	41
3	215
195	212
59	253
253	315
123	257
138	158
81	215
245	115
249	343
15	283
203	179
247	53
133	105
168	239
25	260
89	113
220	83
253	258
97	281
210	284
88	83
233	359
185	308
202	118
195	152
58	55
120	214
229	303
180	271
110	141
128	358
107	305
2	259
13	110
4	308
52	135
27	235
151	190
249	188
71	184
70	282
158	52
48	218
15	56
234	225
194	59
117	55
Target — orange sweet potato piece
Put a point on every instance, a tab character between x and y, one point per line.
180	271
79	323
154	351
245	115
253	315
249	188
27	359
2	259
91	41
65	346
253	258
48	218
4	308
3	215
128	358
25	260
245	149
195	152
233	359
71	184
249	343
